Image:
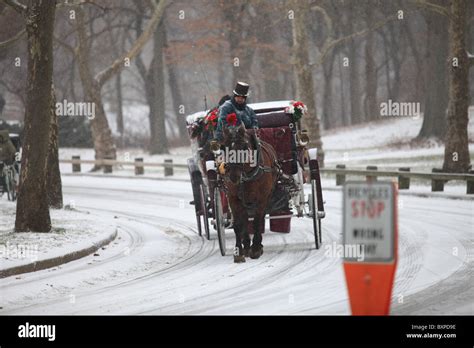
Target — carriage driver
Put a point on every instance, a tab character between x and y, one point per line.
238	105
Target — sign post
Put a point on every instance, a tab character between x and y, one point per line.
370	238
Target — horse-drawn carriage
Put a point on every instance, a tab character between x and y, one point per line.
279	128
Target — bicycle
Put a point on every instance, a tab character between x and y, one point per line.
9	177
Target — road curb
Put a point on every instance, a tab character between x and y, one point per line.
59	260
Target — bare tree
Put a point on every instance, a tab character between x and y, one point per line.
370	67
177	96
456	152
354	75
92	84
436	90
53	174
304	77
32	208
153	78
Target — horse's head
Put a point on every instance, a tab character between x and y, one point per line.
235	140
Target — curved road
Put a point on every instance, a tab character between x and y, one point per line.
159	265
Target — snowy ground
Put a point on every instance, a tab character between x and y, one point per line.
72	231
387	144
164	267
161	266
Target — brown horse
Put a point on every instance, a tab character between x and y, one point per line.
249	186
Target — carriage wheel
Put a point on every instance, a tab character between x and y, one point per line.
300	198
196	182
220	220
314	213
198	223
204	210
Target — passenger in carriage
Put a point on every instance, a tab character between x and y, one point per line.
238	105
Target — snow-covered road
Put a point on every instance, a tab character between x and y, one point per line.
159	265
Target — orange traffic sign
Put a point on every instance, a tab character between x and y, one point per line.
370	238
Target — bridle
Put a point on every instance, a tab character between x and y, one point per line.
257	170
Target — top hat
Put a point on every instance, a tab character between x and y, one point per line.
241	89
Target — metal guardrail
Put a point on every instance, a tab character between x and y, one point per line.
404	174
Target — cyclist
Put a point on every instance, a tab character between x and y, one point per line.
7	153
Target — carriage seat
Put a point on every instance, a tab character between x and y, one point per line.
282	141
273	119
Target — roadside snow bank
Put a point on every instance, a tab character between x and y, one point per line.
75	234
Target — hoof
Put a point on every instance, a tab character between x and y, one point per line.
239	259
247	252
256	253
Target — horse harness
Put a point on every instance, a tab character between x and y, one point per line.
256	173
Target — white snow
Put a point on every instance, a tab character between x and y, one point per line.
161	266
169	269
270	105
387	144
196	116
72	231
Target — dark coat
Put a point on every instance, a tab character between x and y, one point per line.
7	149
244	114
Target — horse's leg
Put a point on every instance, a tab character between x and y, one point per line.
238	228
257	248
246	236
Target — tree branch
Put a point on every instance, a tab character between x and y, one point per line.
327	19
18	7
107	73
81	2
64	44
433	7
13	39
470	58
330	44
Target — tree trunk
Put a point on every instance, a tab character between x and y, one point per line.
103	141
177	97
370	70
354	78
304	77
396	60
345	116
104	145
420	63
436	90
177	103
233	13
456	153
120	126
158	140
32	212
53	174
328	115
270	72
354	87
